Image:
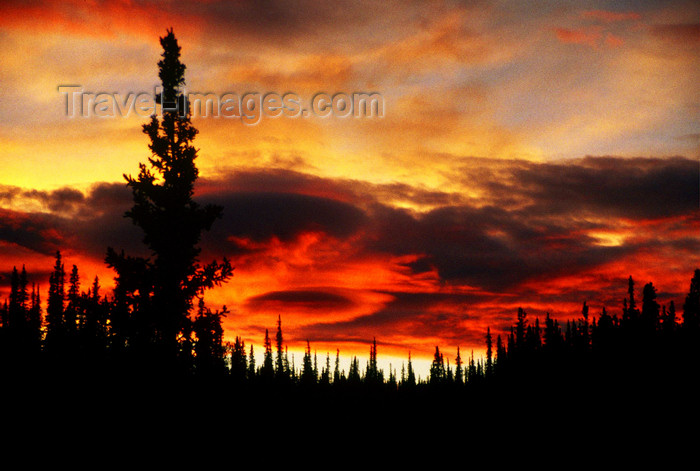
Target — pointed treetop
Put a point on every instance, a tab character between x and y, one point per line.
171	70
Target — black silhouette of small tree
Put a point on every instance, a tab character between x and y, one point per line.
209	347
20	332
691	306
280	367
372	375
489	352
171	220
308	375
410	374
437	368
55	323
239	363
267	370
459	371
336	370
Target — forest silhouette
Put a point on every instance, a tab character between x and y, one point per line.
154	327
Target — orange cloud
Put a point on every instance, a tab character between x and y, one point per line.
613	41
611	16
597	35
94	19
588	37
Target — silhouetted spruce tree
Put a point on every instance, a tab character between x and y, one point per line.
94	326
650	308
511	345
584	327
459	371
252	371
520	330
571	334
209	346
280	370
16	307
17	333
71	314
171	220
326	372
489	352
372	374
602	336
410	373
501	356
354	377
35	321
267	370
288	371
437	368
239	363
472	372
533	338
55	322
18	297
691	306
669	322
630	311
552	342
291	368
308	375
336	369
131	323
392	383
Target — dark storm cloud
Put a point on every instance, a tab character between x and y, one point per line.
96	220
632	188
42	233
260	180
70	218
263	216
488	247
534	218
306	299
357	192
109	197
531	222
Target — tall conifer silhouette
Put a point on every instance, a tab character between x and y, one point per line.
165	210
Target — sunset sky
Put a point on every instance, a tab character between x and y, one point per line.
529	155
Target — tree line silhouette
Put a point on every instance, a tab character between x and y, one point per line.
86	332
155	323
